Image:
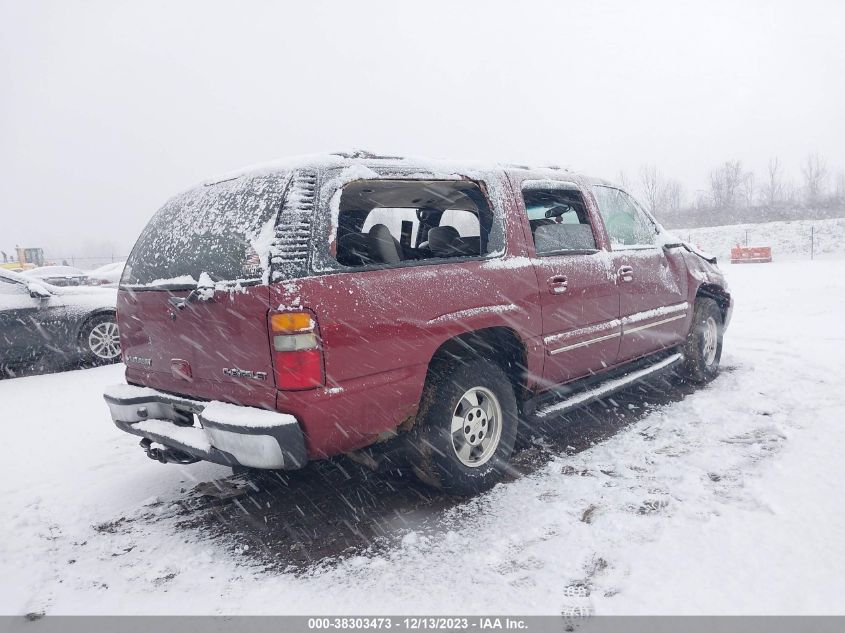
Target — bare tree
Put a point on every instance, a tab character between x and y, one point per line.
726	184
653	188
773	190
840	186
747	188
815	178
675	195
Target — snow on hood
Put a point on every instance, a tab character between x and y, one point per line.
86	297
54	271
76	294
109	272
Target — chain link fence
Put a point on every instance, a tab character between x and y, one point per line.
89	262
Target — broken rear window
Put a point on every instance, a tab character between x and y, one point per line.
395	222
221	229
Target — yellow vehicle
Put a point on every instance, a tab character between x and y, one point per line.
24	258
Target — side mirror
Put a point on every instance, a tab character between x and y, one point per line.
37	291
557	211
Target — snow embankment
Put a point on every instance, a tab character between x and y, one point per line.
788	239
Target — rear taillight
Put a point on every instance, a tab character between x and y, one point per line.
297	350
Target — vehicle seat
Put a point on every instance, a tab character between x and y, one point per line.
539	222
443	241
383	246
353	249
470	246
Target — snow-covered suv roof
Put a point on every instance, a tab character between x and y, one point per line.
370	161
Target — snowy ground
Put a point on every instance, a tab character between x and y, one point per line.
663	499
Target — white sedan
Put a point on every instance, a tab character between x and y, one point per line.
59	275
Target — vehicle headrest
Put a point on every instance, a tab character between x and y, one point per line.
441	240
383	246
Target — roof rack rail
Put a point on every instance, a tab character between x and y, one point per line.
529	167
354	153
363	153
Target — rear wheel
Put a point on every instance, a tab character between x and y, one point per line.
703	349
100	340
466	428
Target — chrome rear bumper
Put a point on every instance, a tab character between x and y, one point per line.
219	432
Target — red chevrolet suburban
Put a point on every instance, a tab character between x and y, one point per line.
325	304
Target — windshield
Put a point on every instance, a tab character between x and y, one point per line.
221	230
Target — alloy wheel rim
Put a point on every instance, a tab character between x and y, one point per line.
104	340
476	427
711	340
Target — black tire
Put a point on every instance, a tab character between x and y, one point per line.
91	351
701	363
434	451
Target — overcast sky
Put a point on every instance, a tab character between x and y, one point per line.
108	108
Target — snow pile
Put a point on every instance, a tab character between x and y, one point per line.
788	239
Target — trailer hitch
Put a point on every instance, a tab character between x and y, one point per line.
167	455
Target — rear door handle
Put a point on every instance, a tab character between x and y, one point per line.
626	273
558	284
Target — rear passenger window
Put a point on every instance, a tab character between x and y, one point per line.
559	220
392	222
627	225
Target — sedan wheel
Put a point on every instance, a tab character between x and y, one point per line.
101	340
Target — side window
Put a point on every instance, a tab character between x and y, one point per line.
559	220
390	222
627	225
